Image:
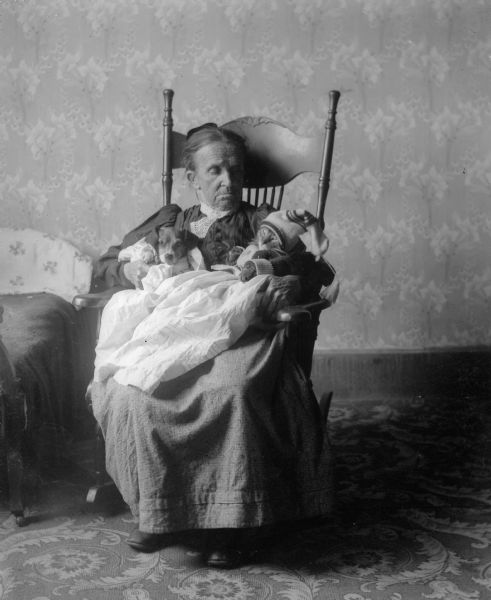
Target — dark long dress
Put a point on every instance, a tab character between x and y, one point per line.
236	442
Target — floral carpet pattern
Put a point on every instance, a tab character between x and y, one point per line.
412	520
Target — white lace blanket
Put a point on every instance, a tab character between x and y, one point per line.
151	336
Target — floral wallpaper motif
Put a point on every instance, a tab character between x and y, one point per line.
409	211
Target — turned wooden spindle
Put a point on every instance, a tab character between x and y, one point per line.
167	153
325	175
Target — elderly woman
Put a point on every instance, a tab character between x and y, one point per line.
237	442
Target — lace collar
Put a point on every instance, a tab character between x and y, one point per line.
210	215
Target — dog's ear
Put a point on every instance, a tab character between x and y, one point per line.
153	237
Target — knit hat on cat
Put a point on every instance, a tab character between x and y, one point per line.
289	225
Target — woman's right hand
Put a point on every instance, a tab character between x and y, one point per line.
135	271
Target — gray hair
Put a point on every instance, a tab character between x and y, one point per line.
207	134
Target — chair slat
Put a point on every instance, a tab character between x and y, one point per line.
280	197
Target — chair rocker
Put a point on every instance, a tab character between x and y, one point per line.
275	156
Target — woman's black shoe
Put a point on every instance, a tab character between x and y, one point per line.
148	542
225	559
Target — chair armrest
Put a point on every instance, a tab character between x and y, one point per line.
302	312
97	300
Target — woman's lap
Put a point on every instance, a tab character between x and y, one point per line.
237	442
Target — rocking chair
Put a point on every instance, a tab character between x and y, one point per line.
275	156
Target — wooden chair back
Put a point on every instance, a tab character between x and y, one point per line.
275	155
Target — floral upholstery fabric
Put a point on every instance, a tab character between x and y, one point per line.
31	262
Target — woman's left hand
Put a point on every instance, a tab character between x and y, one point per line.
276	293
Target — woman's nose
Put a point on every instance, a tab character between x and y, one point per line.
226	178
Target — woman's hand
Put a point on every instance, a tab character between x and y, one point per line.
135	271
276	293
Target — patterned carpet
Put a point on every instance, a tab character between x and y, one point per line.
413	520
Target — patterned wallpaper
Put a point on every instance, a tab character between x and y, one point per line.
409	211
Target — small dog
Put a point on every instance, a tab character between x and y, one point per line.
173	249
162	246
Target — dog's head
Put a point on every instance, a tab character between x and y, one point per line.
174	246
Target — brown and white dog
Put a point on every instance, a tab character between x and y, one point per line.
173	249
162	246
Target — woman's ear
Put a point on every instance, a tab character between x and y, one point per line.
191	177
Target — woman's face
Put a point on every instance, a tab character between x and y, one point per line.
218	175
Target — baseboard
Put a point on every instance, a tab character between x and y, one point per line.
457	371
